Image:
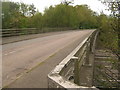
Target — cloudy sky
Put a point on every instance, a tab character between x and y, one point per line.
95	5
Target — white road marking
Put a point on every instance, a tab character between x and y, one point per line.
14	51
11	52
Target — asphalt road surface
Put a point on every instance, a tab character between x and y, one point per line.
21	57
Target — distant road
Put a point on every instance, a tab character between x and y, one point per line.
22	56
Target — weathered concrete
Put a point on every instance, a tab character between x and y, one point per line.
74	65
86	73
35	51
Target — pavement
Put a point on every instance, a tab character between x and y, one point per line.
26	64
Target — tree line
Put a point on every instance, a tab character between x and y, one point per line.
20	15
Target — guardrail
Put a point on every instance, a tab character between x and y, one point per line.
17	32
27	31
66	74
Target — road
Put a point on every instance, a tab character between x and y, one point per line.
21	57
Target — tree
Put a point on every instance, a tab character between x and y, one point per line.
86	17
114	6
37	21
32	10
20	15
24	9
67	2
10	12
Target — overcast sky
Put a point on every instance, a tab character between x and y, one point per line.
95	5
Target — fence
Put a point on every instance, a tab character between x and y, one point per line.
66	74
27	31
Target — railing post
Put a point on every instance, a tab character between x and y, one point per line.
76	70
87	53
91	44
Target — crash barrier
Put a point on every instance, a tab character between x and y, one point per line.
27	31
66	74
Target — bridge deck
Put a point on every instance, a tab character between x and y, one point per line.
36	58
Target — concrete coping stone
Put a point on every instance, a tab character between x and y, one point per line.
55	73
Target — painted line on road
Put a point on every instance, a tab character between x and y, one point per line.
11	52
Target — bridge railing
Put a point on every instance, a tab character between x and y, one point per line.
27	31
17	32
66	74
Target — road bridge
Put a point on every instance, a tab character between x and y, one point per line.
26	64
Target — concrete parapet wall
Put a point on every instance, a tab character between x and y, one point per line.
64	74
